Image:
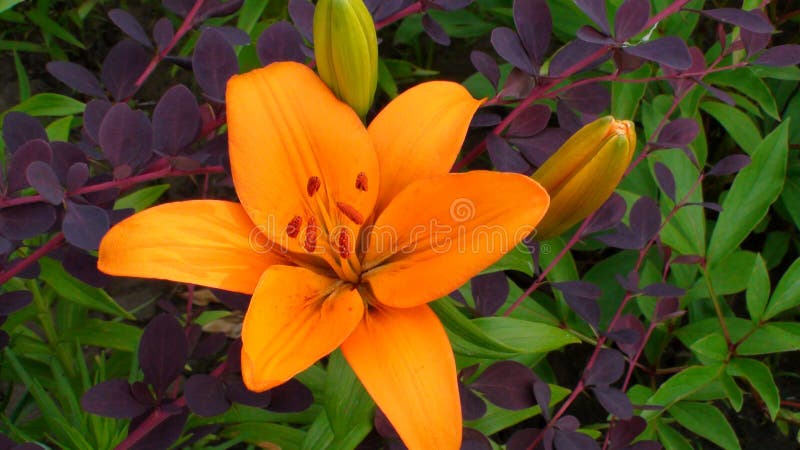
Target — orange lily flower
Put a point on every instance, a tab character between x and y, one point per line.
343	234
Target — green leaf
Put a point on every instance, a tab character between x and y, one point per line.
59	129
732	390
21	46
758	289
519	258
105	334
386	80
712	348
263	434
249	13
22	79
525	336
5	5
467	338
142	198
497	419
49	104
738	124
348	405
680	386
753	191
706	421
726	277
49	26
319	435
787	292
671	438
760	377
774	337
749	84
73	290
626	97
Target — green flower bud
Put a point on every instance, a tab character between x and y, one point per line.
584	172
346	49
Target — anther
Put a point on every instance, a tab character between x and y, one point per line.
313	185
293	228
361	182
312	231
343	244
350	212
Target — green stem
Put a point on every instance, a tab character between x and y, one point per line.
45	317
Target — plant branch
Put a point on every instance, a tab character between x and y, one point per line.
49	246
413	8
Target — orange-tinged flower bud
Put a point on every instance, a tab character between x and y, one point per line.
346	49
584	172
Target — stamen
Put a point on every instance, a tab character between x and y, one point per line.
313	185
343	244
361	182
350	212
312	232
293	228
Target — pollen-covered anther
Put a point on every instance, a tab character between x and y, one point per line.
312	232
313	185
361	182
343	244
293	228
350	212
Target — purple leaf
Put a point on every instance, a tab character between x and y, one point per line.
541	146
128	24
205	395
718	93
504	158
666	309
233	300
77	77
489	291
126	136
213	63
219	8
233	35
754	42
302	14
748	20
573	440
665	179
592	35
83	266
14	301
472	406
486	65
434	30
622	432
209	345
688	259
614	401
630	19
179	7
451	5
26	221
670	51
65	155
572	54
112	398
645	219
93	116
381	9
176	120
729	165
5	247
522	439
280	42
507	44
292	396
608	215
779	56
19	128
607	368
163	32
678	133
474	440
663	290
163	435
628	333
238	392
26	154
582	296
42	178
593	98
77	176
122	66
85	225
162	351
534	25
507	384
541	391
596	10
483	119
530	121
646	445
708	205
567	118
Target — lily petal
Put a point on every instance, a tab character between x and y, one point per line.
295	318
207	242
285	127
419	134
439	232
404	360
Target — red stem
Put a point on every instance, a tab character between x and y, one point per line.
413	8
187	24
119	184
49	246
